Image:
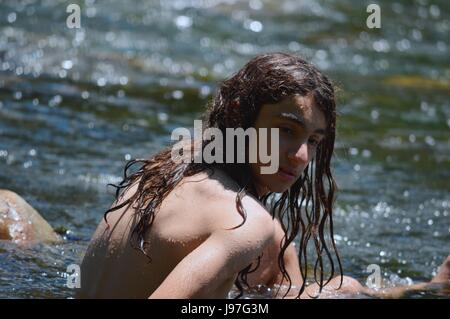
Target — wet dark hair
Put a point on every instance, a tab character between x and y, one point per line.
306	206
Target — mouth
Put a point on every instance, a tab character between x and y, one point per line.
287	174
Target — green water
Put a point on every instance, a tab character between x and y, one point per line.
76	104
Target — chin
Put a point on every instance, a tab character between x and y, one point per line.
279	188
273	183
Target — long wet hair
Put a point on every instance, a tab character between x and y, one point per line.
307	207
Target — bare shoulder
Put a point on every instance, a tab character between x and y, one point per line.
205	206
206	203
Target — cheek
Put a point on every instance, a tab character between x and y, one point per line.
286	144
283	148
255	169
264	145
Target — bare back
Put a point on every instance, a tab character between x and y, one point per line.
199	206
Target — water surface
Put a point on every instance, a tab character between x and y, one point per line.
76	104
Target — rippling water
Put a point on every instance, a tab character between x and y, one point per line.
75	104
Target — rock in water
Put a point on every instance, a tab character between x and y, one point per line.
21	223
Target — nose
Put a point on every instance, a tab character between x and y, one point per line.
300	155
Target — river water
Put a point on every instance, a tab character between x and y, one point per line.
75	104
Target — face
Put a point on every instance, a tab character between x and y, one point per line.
302	127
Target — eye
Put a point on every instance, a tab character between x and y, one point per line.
286	130
314	141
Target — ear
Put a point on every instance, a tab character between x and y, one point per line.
235	103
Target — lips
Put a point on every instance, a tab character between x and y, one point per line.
287	173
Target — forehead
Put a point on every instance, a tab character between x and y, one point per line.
300	106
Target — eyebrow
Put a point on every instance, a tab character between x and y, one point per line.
298	120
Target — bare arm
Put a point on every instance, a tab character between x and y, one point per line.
351	287
269	265
290	259
439	282
216	261
292	268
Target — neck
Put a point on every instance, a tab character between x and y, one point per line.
261	190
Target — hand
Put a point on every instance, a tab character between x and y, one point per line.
443	275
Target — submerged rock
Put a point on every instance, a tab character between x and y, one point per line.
21	223
417	82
